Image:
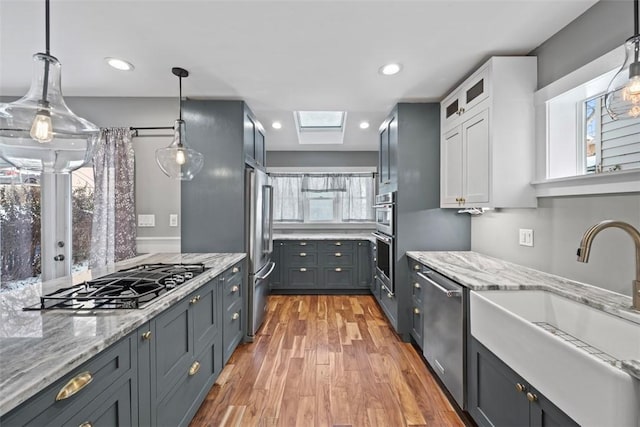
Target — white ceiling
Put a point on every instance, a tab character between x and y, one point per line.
279	56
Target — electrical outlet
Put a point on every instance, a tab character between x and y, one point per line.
525	237
146	220
173	220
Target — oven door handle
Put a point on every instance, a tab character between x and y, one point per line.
388	206
451	293
381	237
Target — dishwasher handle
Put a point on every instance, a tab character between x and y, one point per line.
451	293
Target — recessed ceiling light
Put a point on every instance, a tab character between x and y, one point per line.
364	125
390	69
276	125
119	64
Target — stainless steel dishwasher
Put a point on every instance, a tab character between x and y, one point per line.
444	330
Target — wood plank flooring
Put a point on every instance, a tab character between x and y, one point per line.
325	361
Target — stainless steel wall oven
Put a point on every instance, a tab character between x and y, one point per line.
385	260
385	213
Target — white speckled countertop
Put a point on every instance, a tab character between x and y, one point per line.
324	236
480	272
35	346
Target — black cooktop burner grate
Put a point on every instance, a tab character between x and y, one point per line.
125	289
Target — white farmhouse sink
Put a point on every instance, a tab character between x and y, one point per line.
586	386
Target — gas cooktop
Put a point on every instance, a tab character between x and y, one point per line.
126	289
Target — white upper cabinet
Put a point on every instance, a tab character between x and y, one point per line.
487	141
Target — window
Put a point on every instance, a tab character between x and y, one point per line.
82	187
323	198
320	127
609	145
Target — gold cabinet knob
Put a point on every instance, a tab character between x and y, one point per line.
303	254
303	269
416	311
303	243
235	269
86	424
416	267
338	269
521	387
338	254
338	243
74	385
194	299
195	367
235	316
416	285
389	295
146	335
235	289
531	397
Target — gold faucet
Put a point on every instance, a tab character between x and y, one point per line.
587	240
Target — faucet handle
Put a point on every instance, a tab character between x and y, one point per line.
578	252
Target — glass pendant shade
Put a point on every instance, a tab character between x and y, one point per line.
39	132
623	94
178	161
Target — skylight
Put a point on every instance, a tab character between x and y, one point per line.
320	127
320	119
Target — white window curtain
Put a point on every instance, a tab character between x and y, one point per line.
324	183
113	234
287	198
357	203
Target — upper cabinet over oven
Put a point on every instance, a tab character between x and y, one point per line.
487	137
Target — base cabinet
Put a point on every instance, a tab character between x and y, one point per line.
157	375
311	265
498	396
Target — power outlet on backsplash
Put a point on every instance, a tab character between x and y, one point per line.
525	237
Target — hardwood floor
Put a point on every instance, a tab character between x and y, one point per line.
325	361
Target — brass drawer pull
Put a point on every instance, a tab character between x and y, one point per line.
303	243
521	388
86	424
235	316
417	285
416	311
194	299
531	397
303	254
195	367
235	289
303	269
416	267
338	254
146	335
338	244
338	269
74	385
235	269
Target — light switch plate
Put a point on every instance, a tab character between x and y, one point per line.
173	220
525	237
146	220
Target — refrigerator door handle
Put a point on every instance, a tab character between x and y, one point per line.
270	225
273	266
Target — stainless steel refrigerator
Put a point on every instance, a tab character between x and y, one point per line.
259	223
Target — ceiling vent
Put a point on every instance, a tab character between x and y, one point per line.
320	127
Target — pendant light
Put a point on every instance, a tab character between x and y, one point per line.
39	132
623	94
177	160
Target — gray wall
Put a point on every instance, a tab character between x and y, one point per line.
602	28
559	222
155	192
322	158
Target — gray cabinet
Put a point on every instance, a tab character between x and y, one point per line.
234	316
417	306
254	149
498	396
101	391
276	257
389	304
311	265
388	154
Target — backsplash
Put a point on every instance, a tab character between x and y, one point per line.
558	225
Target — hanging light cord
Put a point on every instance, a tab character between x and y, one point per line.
180	98
45	86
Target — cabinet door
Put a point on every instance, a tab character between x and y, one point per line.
543	413
476	91
475	134
205	313
451	173
338	278
384	177
108	411
276	256
259	148
493	397
303	278
232	328
450	111
249	136
393	152
364	259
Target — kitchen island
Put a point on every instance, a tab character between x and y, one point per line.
39	348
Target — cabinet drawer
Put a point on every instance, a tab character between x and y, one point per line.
232	328
417	284
336	246
103	369
338	277
112	410
182	401
301	245
337	258
235	273
303	277
232	290
301	258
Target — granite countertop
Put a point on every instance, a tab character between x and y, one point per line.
480	273
38	348
324	236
